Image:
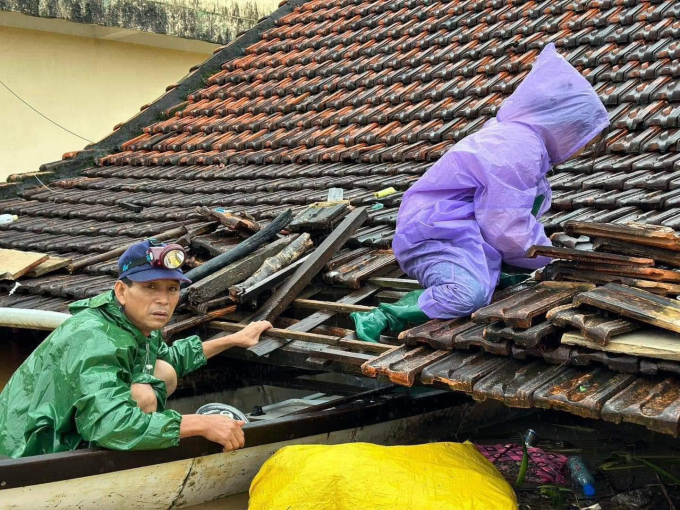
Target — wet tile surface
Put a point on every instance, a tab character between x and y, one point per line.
366	95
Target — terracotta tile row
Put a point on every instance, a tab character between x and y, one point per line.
592	392
420	151
246	172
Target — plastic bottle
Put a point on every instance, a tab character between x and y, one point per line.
8	218
581	476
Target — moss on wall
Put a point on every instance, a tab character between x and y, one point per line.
215	21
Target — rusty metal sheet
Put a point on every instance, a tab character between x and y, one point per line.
474	337
648	235
670	257
402	365
437	334
652	402
461	370
519	310
635	304
593	257
515	381
351	274
523	337
582	392
590	322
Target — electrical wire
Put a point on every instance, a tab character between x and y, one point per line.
43	116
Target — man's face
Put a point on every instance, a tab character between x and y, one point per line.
148	305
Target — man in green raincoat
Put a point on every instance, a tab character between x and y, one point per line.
102	378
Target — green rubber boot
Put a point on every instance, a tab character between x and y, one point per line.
392	316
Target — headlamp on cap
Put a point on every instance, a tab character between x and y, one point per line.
171	256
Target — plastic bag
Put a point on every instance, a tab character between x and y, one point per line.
357	476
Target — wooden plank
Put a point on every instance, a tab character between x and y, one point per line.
280	333
315	262
274	264
222	279
243	249
331	306
315	338
318	318
395	283
648	342
50	265
270	282
16	263
172	329
634	303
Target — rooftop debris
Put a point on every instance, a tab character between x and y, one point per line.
278	126
15	263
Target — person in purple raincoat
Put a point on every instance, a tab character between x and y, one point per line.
472	210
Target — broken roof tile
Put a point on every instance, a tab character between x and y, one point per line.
520	309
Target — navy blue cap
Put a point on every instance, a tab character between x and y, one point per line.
145	272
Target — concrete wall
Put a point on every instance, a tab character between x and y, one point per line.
216	21
86	84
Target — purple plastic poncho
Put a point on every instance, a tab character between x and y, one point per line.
472	209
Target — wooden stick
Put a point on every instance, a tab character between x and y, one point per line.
307	337
290	289
242	249
395	283
196	320
223	278
312	304
275	263
280	333
271	281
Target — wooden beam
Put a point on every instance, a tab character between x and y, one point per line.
172	329
242	249
16	263
275	263
331	306
222	279
315	262
280	333
315	338
250	293
51	264
395	283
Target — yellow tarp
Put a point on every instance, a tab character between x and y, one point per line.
358	476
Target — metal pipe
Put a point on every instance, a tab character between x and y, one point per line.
31	319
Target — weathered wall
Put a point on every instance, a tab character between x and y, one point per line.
216	21
87	85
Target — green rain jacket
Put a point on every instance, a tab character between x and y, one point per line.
73	391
